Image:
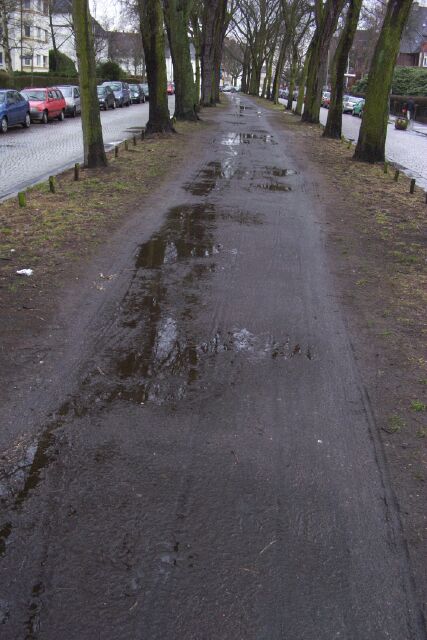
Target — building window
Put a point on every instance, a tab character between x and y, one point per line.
425	60
28	61
45	61
39	60
1	57
27	30
27	4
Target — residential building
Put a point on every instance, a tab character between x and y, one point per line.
413	47
27	39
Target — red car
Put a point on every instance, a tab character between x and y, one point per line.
170	88
45	104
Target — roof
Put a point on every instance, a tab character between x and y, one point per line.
415	32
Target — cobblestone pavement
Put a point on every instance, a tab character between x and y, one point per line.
30	155
405	148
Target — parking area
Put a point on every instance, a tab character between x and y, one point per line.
30	155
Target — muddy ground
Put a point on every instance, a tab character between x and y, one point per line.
202	451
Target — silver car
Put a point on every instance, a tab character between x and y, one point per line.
71	95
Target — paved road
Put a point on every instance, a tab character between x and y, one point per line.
405	148
27	156
214	474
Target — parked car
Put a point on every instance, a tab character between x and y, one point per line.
228	88
136	93
45	104
121	92
358	108
106	97
71	95
326	99
144	87
283	93
170	88
348	104
14	110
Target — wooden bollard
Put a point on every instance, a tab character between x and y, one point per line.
77	171
350	140
116	151
426	196
143	134
52	185
134	141
22	199
412	186
396	175
386	167
126	145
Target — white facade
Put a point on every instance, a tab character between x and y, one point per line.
29	38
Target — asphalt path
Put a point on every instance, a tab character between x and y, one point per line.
214	472
406	149
30	155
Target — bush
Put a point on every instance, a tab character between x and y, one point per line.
61	64
407	81
109	71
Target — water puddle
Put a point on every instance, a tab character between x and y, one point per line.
273	186
209	176
277	172
234	139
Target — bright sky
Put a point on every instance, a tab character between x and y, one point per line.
107	10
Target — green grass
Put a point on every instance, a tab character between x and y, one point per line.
417	405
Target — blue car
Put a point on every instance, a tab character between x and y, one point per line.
14	110
121	92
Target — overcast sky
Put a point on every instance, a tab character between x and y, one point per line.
109	10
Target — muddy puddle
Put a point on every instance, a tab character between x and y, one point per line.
279	172
273	186
234	139
207	179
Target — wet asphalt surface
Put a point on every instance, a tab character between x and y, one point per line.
216	473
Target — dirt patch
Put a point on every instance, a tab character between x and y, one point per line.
376	235
56	234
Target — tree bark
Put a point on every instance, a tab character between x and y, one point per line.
279	70
5	41
301	88
294	68
177	15
212	35
333	128
93	143
373	130
326	22
153	40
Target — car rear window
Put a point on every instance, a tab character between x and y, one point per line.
67	92
31	94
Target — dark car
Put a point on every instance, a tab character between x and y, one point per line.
14	110
144	87
46	103
106	97
137	94
71	95
121	92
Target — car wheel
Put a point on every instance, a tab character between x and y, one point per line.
3	125
61	116
114	105
44	118
73	115
27	121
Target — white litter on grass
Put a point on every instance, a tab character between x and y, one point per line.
320	442
25	272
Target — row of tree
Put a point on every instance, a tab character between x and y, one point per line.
205	22
299	33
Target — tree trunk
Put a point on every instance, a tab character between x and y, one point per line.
177	20
373	130
153	40
279	70
93	143
302	81
245	72
326	22
4	39
292	78
212	36
334	123
266	91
